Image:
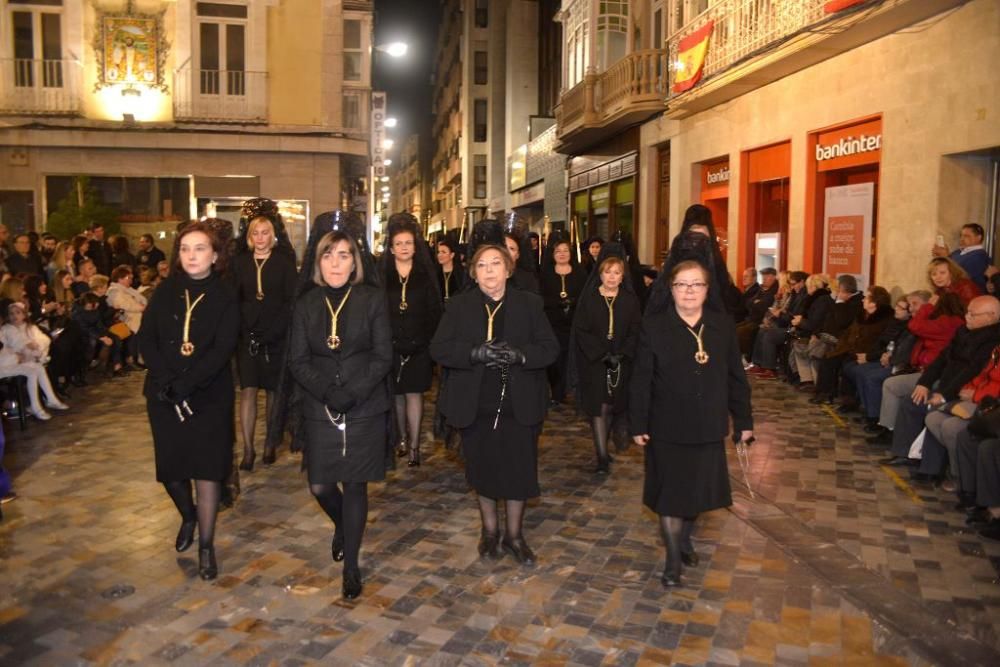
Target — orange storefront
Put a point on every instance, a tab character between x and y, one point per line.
844	155
715	196
764	192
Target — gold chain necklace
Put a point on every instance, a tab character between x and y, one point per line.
402	295
447	280
701	356
187	347
260	280
333	340
490	314
609	301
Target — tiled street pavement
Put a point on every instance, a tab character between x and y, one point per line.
90	576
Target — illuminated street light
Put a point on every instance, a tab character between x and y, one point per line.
394	49
391	122
387	144
387	162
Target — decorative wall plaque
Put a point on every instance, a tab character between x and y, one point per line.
131	48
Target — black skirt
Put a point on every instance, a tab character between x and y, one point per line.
416	375
200	447
501	463
262	370
328	462
686	479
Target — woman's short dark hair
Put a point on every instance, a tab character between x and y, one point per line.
879	296
948	304
325	245
450	244
119	244
213	237
508	261
687	265
120	272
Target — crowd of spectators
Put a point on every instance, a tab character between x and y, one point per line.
69	312
921	374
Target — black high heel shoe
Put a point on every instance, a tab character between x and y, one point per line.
247	462
489	545
519	549
337	547
185	536
270	456
403	449
414	461
208	569
690	558
352	584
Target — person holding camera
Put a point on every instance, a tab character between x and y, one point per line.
496	343
187	338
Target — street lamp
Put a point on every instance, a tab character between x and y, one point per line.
391	122
394	49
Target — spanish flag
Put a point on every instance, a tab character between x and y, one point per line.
834	6
691	57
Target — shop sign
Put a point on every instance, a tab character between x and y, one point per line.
378	133
518	162
528	195
715	175
849	146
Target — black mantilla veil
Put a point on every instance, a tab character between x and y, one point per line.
423	259
516	228
287	412
698	214
687	246
261	207
556	237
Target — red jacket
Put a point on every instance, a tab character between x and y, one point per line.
932	335
965	289
987	383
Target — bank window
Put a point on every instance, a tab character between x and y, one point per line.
481	68
479	177
37	43
222	32
352	50
482	13
479	120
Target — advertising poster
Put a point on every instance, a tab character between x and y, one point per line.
848	231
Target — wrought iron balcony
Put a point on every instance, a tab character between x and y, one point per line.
39	87
600	106
756	42
220	96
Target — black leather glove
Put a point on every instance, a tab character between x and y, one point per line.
481	353
167	395
510	356
339	400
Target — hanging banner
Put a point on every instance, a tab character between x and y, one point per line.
691	58
834	6
847	243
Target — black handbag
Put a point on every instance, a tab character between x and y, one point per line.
985	422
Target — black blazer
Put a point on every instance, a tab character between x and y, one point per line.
960	362
412	329
269	318
463	327
215	324
360	365
672	397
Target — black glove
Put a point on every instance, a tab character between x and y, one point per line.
507	355
167	395
481	353
339	400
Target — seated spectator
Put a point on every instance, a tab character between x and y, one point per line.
148	278
959	363
123	298
756	305
81	246
749	291
47	247
12	289
24	260
101	343
62	289
837	317
861	385
933	326
773	332
62	260
970	254
860	336
86	270
162	270
40	303
25	350
149	255
120	253
945	275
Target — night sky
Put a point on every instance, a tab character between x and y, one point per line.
407	80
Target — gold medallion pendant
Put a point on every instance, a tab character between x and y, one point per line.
403	306
333	342
187	348
260	296
563	295
701	357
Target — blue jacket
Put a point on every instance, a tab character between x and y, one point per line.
975	264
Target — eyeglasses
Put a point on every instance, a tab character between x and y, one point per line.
972	314
689	287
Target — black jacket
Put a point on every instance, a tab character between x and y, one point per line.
841	315
150	258
756	305
961	361
215	324
526	328
526	280
590	333
814	309
30	265
672	397
268	319
893	333
413	328
360	365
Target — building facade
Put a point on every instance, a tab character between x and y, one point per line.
170	106
410	184
827	136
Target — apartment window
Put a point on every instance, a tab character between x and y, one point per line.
612	32
481	73
657	32
577	44
482	13
222	32
352	110
479	120
479	177
352	50
37	42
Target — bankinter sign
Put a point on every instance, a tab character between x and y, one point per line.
848	146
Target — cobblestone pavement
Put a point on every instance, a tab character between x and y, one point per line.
90	574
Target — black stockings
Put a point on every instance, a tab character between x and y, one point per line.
206	509
514	518
409	414
677	537
248	417
601	429
349	512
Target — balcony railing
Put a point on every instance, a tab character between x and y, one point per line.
220	96
744	28
39	86
636	78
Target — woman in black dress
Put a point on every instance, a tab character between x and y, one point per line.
687	382
496	343
604	337
450	271
561	282
340	351
265	277
187	338
414	312
523	277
